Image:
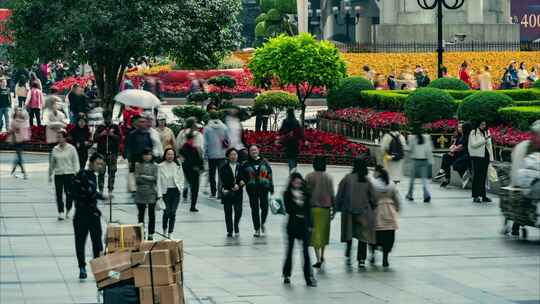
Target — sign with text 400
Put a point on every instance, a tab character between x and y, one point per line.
526	13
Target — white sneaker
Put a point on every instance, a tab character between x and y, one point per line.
61	216
169	235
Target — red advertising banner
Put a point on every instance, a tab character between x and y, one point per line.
4	15
526	13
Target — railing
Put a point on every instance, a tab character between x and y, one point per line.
421	47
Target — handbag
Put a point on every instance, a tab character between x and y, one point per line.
160	204
131	184
493	177
277	206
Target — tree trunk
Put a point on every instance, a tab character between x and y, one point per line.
108	79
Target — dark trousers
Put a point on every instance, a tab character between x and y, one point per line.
62	184
213	166
18	161
111	168
261	123
84	224
479	168
193	178
230	205
362	250
292	162
287	266
34	113
258	200
83	157
22	101
151	216
171	199
446	165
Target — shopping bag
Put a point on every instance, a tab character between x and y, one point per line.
492	174
160	204
131	185
277	206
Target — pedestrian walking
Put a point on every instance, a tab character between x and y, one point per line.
296	199
137	141
236	135
35	79
393	146
19	133
5	104
512	71
190	126
87	219
80	137
387	206
64	164
166	135
171	182
34	103
233	182
291	134
481	153
523	75
54	120
421	157
157	147
355	201
146	177
322	203
21	91
259	183
193	165
108	137
216	142
465	74
78	103
485	79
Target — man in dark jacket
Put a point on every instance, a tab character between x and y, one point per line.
87	214
108	137
232	181
137	141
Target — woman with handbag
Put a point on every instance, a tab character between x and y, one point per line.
386	213
171	182
481	153
354	200
232	180
296	199
19	133
146	177
321	187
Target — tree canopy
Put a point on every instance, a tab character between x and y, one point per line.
107	33
301	61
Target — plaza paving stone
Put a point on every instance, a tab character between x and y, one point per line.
449	251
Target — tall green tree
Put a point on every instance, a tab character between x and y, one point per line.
301	61
107	33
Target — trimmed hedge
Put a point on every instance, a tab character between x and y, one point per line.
429	104
527	103
347	93
483	106
382	100
449	83
536	84
521	94
275	100
520	117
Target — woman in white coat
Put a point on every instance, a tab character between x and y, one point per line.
170	183
481	153
393	146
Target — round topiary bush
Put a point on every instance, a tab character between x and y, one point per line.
536	84
260	29
260	18
277	100
273	15
429	104
483	106
449	83
347	93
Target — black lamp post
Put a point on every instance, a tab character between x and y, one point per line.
439	5
350	18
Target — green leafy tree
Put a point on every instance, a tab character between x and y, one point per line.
275	102
107	33
301	61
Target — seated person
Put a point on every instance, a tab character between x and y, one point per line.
457	156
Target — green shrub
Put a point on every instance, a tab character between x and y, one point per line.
184	112
449	83
276	100
197	97
520	117
260	29
273	15
526	103
429	104
483	106
382	100
260	18
347	93
521	94
536	84
456	94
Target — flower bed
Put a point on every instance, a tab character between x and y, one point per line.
65	85
338	149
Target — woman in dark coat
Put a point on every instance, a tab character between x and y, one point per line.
80	137
193	165
296	199
291	133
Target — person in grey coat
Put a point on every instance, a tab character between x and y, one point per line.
146	177
216	142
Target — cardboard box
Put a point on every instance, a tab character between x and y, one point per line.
178	267
162	275
159	258
170	294
175	247
112	268
124	237
178	278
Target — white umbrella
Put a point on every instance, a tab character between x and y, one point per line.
138	98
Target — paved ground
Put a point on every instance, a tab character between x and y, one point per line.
446	252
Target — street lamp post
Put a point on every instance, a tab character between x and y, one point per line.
314	18
439	4
349	18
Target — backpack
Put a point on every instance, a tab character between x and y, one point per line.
396	148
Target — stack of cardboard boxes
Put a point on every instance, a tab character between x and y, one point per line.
142	263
